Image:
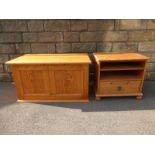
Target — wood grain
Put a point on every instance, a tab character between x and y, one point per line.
51	78
101	56
119	74
72	58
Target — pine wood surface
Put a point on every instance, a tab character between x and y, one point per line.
119	74
46	78
101	56
72	58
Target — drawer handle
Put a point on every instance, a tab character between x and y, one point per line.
119	88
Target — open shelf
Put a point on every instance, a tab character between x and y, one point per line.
116	75
110	66
119	74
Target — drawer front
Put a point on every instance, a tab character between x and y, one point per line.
119	87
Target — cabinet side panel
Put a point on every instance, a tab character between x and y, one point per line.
97	75
143	75
17	80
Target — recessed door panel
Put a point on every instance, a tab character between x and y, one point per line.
34	80
67	80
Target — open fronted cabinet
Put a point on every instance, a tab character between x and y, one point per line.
119	74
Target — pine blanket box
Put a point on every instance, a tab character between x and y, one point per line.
119	74
51	77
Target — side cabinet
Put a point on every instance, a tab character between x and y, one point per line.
119	74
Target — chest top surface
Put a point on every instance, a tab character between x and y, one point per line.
119	57
81	58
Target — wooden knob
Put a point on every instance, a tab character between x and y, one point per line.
119	88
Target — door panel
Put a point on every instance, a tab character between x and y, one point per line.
67	80
34	81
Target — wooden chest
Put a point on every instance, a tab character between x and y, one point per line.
51	77
119	74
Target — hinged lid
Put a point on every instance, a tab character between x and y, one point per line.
79	58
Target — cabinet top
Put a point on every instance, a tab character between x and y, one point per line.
80	58
119	56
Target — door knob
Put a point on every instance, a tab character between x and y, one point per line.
119	88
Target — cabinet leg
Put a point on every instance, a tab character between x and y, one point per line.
98	98
138	97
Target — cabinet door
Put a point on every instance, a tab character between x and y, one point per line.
33	81
66	81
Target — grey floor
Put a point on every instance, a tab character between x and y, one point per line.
109	116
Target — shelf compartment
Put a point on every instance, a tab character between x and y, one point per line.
123	75
110	66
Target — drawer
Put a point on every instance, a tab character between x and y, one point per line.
119	87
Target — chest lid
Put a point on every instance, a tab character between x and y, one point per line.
73	58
